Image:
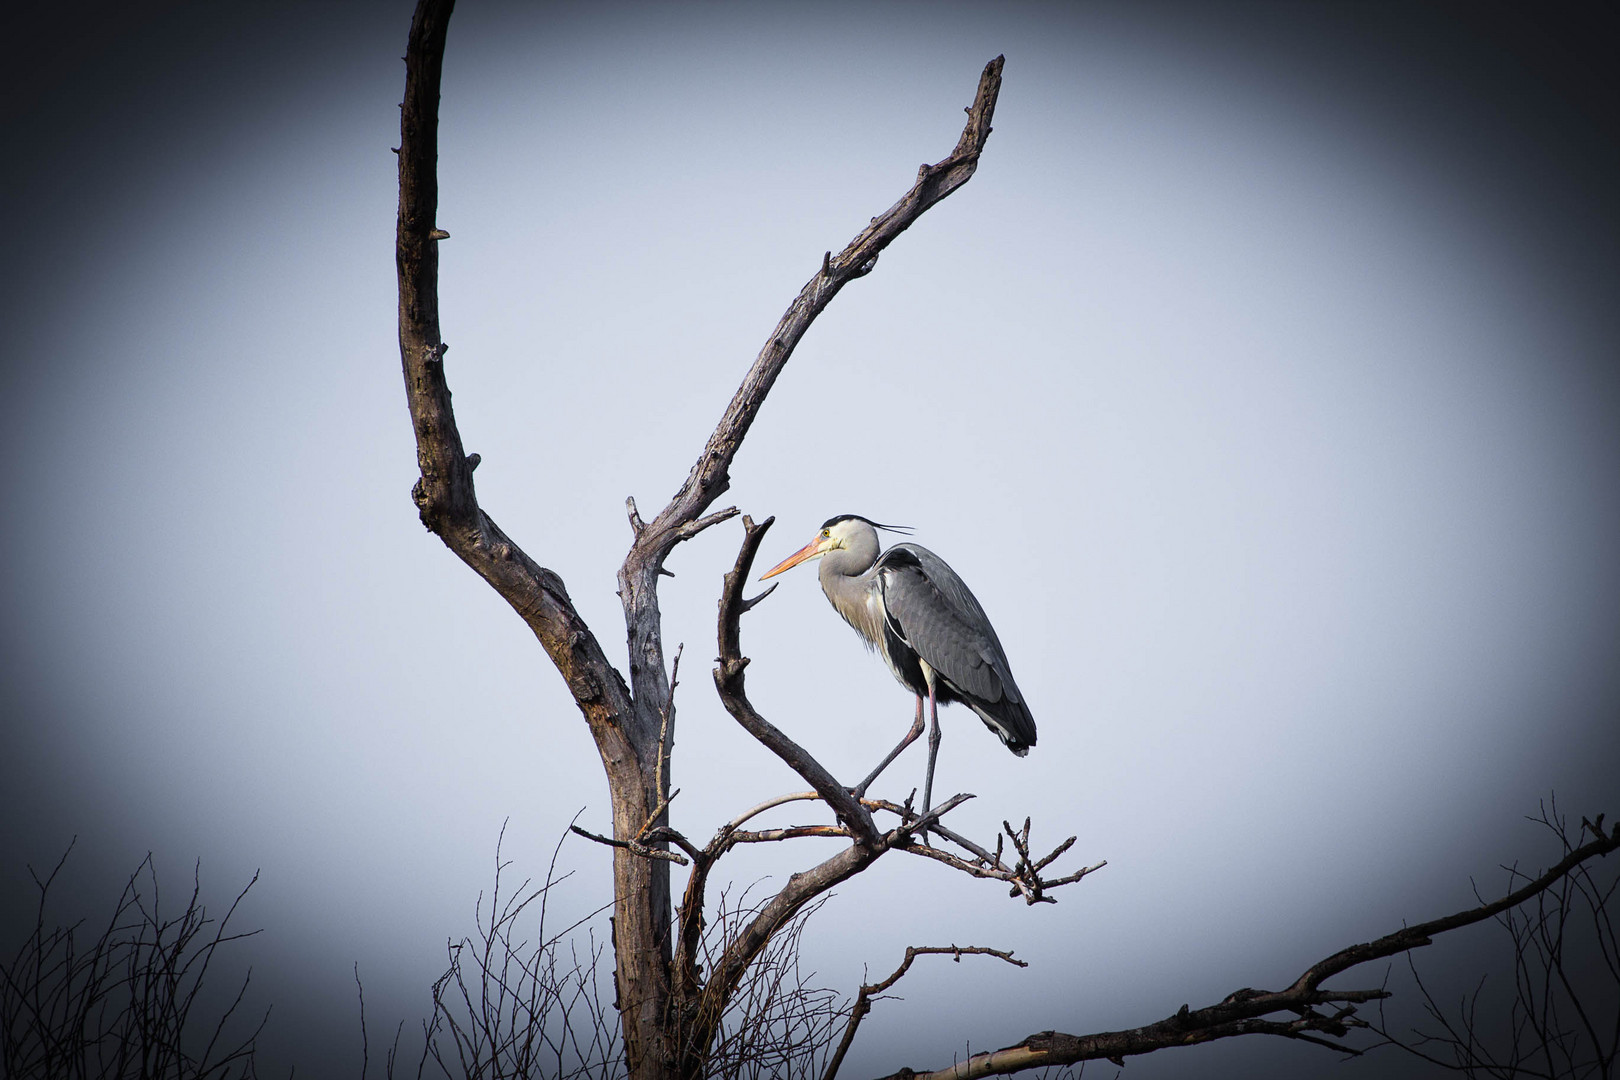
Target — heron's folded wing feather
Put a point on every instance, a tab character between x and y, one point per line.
938	631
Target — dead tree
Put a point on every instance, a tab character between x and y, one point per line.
668	1009
672	986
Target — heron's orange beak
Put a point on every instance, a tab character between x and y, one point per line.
809	551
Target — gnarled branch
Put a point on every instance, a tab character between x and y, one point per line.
1023	876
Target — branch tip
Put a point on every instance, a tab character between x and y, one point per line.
748	605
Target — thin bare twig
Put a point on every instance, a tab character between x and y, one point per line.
74	1008
781	800
633	846
869	993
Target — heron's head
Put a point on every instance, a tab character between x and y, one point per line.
846	531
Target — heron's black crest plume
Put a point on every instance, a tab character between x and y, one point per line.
904	530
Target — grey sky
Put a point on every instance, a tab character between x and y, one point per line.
1261	385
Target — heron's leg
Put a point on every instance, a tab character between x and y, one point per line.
933	751
911	737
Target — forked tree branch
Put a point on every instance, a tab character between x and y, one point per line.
1246	1011
800	888
1023	876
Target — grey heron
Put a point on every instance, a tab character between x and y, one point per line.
910	606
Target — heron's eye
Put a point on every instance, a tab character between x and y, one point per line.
826	533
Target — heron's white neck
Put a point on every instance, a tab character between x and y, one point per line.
845	578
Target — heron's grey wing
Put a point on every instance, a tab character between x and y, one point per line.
930	608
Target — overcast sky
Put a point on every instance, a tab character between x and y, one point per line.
1261	384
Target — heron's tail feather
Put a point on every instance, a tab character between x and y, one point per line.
1010	720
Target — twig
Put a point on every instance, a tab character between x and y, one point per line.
748	605
1024	877
632	846
789	832
869	993
780	800
692	528
922	824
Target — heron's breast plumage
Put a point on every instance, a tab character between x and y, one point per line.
859	600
